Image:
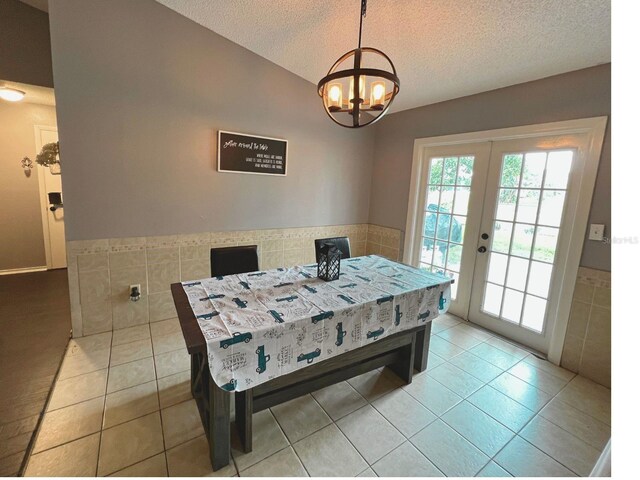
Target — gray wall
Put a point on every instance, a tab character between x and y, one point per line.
141	92
25	48
21	237
579	94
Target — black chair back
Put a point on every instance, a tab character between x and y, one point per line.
341	243
230	260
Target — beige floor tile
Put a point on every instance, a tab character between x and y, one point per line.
470	329
267	440
69	423
75	459
174	389
180	423
285	463
130	374
501	407
89	343
363	425
486	433
131	334
155	466
521	459
84	362
476	366
130	403
578	423
493	470
559	444
78	389
521	391
451	453
168	343
455	379
130	443
172	362
339	400
538	378
10	466
129	352
508	347
588	397
433	360
165	327
374	384
432	394
447	319
405	461
368	473
300	417
549	367
494	356
444	349
404	412
191	459
460	338
328	453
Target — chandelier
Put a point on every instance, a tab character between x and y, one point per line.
377	85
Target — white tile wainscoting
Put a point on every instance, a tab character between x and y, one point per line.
101	271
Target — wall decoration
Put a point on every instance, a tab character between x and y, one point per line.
241	153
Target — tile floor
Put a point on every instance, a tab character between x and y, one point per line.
122	407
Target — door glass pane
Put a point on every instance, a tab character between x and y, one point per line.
534	312
497	268
512	305
528	206
517	276
540	279
529	209
501	237
492	299
522	240
443	232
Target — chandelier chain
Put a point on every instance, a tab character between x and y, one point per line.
363	13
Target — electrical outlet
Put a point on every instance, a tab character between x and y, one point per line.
135	292
596	232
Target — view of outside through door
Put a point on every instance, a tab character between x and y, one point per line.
529	209
445	216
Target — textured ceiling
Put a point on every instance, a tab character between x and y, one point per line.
442	49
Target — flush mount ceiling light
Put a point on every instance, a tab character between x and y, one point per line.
11	94
377	85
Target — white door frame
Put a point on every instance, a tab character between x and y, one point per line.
594	128
44	199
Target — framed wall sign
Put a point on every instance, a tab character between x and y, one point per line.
240	153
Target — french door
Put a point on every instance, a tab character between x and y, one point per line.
497	216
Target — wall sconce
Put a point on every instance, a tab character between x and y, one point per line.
27	165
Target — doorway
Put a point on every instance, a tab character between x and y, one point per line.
504	214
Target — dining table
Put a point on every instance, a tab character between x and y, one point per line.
267	337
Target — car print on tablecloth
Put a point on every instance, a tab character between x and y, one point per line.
349	285
347	299
244	285
309	356
398	316
289	299
305	274
239	302
375	333
231	386
262	359
309	289
191	284
277	316
207	316
212	296
366	279
238	337
257	274
441	302
387	298
322	316
283	284
424	315
341	334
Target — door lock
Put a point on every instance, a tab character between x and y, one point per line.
485	236
482	249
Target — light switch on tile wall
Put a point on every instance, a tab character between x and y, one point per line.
596	232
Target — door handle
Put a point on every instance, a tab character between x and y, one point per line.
482	249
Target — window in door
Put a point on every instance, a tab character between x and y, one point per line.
445	215
526	226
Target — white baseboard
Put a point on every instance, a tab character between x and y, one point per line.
13	271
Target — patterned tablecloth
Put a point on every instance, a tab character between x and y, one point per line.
261	325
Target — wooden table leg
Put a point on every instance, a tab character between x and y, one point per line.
244	416
404	368
423	337
219	426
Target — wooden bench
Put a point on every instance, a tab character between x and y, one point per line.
402	352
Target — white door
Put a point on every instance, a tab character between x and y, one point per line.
452	187
52	220
495	216
530	202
